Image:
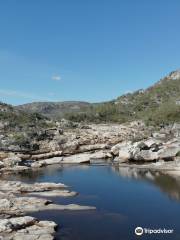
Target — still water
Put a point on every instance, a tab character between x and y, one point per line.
125	198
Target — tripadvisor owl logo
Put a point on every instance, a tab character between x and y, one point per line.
139	231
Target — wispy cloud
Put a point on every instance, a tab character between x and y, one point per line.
17	94
56	77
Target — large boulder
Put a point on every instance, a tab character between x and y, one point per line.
125	154
123	146
168	152
144	155
138	151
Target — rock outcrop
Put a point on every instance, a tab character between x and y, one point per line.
148	150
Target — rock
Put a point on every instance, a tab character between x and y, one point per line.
152	143
140	145
3	155
46	155
86	148
102	154
120	146
34	233
159	135
54	193
77	158
45	162
7	170
145	155
72	207
12	161
5	204
12	224
22	205
38	230
38	164
19	187
86	157
168	152
124	155
48	186
47	224
1	164
122	151
10	204
70	147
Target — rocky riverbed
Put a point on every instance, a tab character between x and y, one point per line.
131	144
123	143
18	199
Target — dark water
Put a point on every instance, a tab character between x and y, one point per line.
125	198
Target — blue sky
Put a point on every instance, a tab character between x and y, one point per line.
90	50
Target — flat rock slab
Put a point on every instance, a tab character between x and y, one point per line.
55	193
45	162
13	206
17	186
85	157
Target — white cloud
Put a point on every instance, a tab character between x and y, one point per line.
56	77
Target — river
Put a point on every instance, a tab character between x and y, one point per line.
125	198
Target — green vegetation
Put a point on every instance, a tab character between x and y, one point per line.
19	120
159	104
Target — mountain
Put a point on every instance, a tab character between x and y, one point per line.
55	109
157	104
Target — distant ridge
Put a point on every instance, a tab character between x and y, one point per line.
55	109
158	103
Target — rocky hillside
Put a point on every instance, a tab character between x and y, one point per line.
157	104
19	128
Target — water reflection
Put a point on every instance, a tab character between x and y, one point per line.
167	182
36	174
120	195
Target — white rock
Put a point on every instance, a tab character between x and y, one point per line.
120	146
